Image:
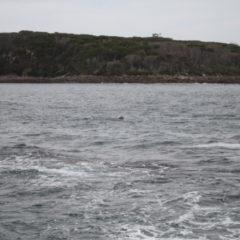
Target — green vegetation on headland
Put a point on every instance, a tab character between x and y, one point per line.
38	54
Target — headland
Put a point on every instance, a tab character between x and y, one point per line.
41	57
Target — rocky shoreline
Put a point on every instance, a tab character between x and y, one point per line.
123	79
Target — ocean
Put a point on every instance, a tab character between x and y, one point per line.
119	161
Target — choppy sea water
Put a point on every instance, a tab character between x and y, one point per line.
111	161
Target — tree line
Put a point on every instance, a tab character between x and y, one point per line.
40	54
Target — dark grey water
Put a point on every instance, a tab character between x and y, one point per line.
71	168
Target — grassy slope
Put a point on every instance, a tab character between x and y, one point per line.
49	55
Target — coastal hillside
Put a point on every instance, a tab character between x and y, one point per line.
40	54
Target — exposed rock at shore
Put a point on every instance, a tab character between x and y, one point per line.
123	79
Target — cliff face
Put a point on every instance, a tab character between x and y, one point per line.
49	55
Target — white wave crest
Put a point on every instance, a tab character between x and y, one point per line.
219	144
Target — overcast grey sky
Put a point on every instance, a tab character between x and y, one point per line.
206	20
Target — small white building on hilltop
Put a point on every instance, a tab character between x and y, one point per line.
157	35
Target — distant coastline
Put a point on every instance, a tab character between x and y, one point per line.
124	79
59	57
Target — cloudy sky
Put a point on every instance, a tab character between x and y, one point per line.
206	20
